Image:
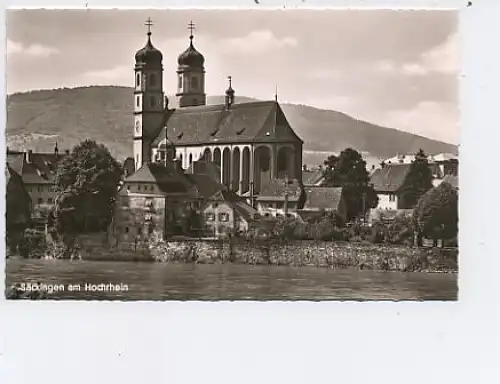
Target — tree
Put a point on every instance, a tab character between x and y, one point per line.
87	182
418	181
349	172
436	214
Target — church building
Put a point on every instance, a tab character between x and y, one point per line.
250	143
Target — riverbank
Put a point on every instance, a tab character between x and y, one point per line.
339	255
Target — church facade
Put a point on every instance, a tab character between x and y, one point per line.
250	143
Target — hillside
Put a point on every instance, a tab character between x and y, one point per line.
38	119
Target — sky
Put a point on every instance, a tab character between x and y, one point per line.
398	69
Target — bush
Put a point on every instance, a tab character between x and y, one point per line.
33	245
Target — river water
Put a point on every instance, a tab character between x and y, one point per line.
161	281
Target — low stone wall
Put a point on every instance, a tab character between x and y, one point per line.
296	253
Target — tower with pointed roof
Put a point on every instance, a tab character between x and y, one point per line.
148	98
191	76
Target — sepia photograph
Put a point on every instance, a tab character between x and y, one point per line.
215	155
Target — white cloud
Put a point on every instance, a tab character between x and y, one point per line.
428	118
120	75
324	73
256	42
384	66
32	50
415	69
444	57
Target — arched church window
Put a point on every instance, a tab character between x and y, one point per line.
180	81
138	101
137	126
152	79
138	79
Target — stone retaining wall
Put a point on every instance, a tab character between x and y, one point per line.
296	253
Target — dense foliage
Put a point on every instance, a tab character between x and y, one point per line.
418	181
349	172
436	213
86	183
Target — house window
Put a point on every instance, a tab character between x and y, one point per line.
209	217
40	200
50	200
126	229
215	205
392	197
138	79
223	217
138	187
190	158
152	79
40	189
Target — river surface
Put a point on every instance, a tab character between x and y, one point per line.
161	281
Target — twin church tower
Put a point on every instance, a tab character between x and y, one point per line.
150	100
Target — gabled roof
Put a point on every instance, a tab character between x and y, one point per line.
168	179
312	177
275	190
40	169
328	198
206	186
262	121
390	178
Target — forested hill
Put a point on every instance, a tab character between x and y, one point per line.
38	119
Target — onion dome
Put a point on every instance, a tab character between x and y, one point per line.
191	57
149	54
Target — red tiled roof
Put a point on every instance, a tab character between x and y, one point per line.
212	124
390	178
328	198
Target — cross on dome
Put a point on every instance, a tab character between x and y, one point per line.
191	27
149	23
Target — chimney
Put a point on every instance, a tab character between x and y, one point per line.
28	156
